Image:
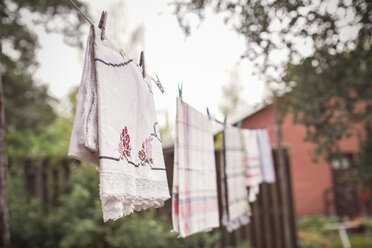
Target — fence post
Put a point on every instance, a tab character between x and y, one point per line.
282	174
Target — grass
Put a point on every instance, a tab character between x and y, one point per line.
356	241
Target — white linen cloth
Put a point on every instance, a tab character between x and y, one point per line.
194	196
237	202
252	163
115	129
266	159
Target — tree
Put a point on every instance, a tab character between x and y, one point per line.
4	214
271	27
231	95
333	101
328	77
16	63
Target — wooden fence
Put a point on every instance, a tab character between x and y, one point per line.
266	227
44	179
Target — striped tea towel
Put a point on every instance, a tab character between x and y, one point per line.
194	204
266	159
237	202
252	163
115	129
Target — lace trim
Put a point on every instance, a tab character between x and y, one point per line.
235	223
122	194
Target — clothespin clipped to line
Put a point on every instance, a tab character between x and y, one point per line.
239	124
102	24
142	65
224	120
157	81
209	115
180	91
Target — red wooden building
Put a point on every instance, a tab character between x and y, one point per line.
318	188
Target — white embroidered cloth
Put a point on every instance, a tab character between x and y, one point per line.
237	201
116	130
252	163
266	159
194	196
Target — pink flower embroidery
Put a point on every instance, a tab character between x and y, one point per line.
148	147
125	131
121	148
126	140
124	144
144	154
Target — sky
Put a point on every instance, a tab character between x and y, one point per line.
201	62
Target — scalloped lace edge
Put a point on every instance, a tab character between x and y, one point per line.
117	206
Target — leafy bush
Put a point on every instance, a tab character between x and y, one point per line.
311	232
77	221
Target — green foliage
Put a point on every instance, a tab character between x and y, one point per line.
27	104
311	232
27	225
272	26
27	111
18	33
77	220
315	224
332	100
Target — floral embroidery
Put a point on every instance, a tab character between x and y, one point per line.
149	147
145	154
142	155
124	145
124	149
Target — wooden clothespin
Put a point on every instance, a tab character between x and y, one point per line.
180	91
142	63
158	83
102	24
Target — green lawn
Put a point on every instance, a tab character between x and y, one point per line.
356	241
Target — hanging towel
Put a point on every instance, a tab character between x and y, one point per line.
252	163
194	203
266	159
115	129
237	203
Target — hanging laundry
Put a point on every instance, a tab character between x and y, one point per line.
194	203
233	176
252	163
115	129
266	159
